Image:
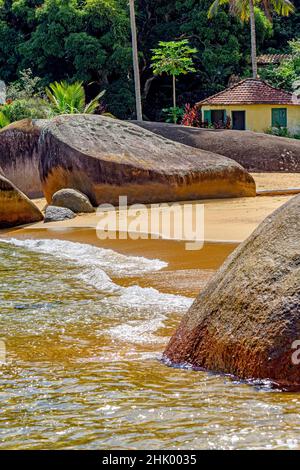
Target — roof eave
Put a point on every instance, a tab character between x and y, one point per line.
202	103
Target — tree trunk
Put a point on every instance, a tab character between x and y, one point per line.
135	57
253	39
174	99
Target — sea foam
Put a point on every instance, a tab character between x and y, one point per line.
96	265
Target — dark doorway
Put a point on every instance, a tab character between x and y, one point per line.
239	120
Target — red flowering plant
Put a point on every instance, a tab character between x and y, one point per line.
222	124
191	116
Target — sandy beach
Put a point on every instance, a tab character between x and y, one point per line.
227	222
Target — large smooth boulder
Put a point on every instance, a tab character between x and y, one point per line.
105	158
15	207
72	199
247	318
253	150
55	214
19	155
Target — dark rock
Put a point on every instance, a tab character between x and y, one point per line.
19	155
54	214
253	150
105	158
15	207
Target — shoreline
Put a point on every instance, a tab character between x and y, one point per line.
227	223
228	220
186	272
225	220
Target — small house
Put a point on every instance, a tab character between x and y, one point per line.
252	104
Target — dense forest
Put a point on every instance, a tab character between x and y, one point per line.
89	40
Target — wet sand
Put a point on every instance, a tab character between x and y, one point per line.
227	222
187	271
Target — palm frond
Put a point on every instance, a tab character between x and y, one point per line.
213	9
93	104
4	121
282	7
69	98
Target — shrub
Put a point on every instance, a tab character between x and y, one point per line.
222	124
173	115
4	121
282	132
26	87
20	109
192	117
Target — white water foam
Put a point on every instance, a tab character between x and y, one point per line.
138	332
96	265
115	264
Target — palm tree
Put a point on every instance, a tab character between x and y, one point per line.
68	98
135	57
245	10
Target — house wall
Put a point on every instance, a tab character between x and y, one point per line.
259	116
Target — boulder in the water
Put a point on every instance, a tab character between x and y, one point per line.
246	321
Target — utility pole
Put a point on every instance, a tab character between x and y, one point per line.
137	83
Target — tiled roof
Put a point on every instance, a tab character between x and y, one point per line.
251	91
267	59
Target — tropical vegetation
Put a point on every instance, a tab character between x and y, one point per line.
58	98
90	42
67	98
287	74
245	10
173	58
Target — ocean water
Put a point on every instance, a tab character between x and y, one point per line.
82	367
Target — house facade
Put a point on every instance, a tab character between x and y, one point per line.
252	104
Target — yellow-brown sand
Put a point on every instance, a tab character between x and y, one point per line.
271	181
229	220
226	220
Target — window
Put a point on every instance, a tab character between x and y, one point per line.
217	117
279	117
